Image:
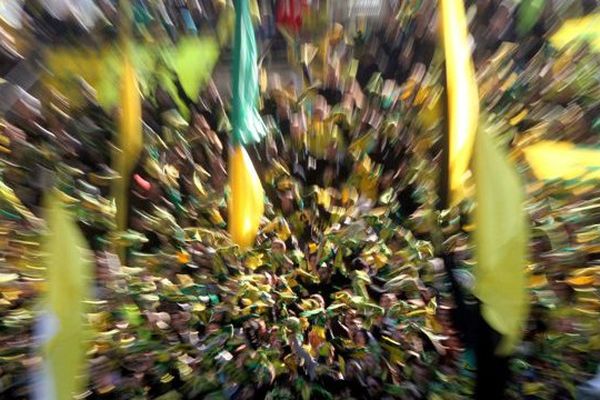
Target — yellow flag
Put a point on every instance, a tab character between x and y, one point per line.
69	269
585	29
246	200
500	242
501	231
462	94
130	138
563	160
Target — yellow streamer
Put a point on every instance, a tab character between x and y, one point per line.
246	200
463	97
130	138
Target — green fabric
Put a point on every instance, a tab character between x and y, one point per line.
248	126
69	268
500	242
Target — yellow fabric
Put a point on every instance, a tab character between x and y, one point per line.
463	104
69	269
500	242
246	200
563	160
130	138
585	28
